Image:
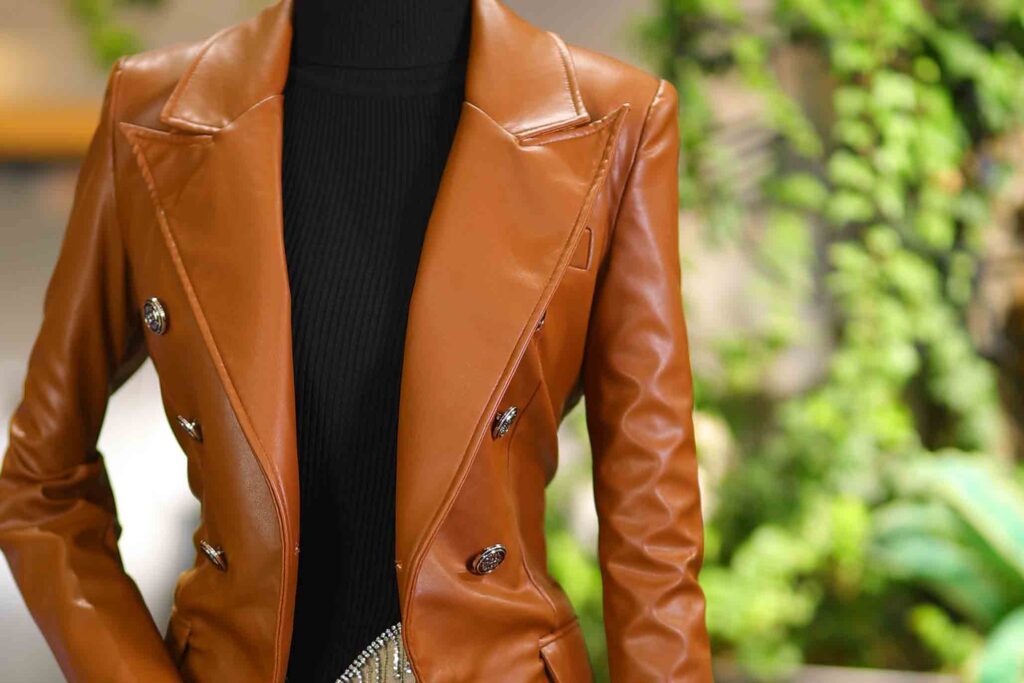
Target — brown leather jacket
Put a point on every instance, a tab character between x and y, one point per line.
550	270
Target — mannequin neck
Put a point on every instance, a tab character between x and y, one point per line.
380	33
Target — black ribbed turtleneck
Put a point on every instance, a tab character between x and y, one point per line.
371	105
382	34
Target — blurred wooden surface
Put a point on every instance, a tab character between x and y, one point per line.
33	132
727	673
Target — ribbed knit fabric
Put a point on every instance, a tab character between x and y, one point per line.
364	150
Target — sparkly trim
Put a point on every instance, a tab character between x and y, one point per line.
382	661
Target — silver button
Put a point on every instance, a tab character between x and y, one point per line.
215	555
540	323
154	315
191	427
488	559
503	422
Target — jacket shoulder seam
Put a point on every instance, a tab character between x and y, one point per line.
658	94
186	77
112	115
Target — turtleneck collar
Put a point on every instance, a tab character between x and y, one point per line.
380	34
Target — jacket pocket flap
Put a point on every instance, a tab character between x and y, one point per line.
565	654
178	631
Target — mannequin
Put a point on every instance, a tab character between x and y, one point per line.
371	106
558	203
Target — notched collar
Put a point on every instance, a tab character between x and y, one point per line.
523	78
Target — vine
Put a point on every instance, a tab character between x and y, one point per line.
875	212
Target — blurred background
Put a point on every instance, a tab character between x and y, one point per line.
852	186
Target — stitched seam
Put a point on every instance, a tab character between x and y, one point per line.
490	118
570	71
559	632
192	124
632	164
612	229
508	473
590	250
555	636
450	495
112	115
286	549
138	337
570	86
165	137
255	105
565	73
187	78
184	138
540	140
549	127
236	403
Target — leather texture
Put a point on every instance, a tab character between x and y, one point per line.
558	201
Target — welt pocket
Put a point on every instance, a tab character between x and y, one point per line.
584	249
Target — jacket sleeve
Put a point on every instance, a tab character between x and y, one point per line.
58	522
639	403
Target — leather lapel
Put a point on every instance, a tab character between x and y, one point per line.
515	194
504	227
214	180
218	205
522	174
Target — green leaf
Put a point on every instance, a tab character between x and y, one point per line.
893	90
846	207
954	643
922	543
936	229
798	190
851	101
1003	658
988	500
850	170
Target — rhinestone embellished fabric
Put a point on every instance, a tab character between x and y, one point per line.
382	661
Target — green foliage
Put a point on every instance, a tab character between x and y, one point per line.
957	528
954	644
829	545
572	562
108	37
765	590
1003	659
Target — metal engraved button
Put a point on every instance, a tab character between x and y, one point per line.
489	559
503	422
215	555
154	315
191	427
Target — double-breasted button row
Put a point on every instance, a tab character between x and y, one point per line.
157	321
154	315
488	559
